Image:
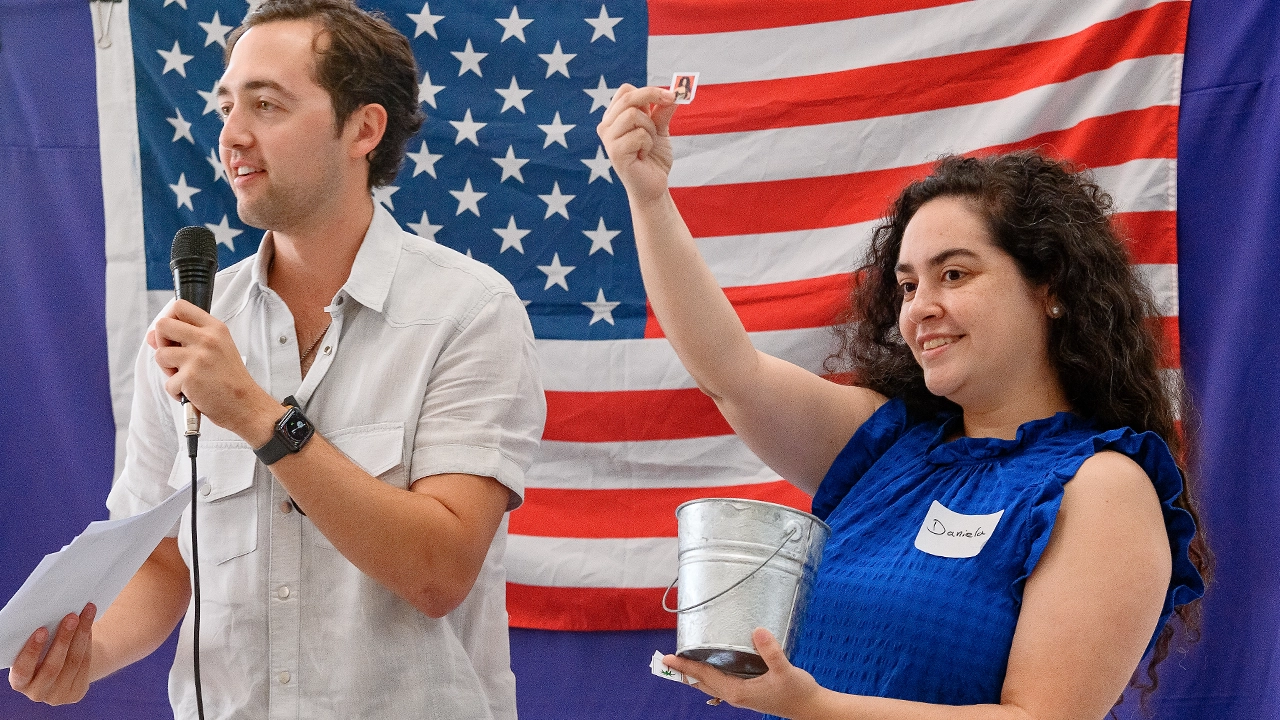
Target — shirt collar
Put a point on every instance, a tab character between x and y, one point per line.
370	280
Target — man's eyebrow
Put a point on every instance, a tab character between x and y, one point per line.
939	259
222	90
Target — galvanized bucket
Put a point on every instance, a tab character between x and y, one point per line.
743	564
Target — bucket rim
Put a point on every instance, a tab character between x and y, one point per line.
765	503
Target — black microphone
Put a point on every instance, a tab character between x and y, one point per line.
194	261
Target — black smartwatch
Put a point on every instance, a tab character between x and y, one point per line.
292	431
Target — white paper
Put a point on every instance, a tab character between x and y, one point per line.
659	668
94	568
946	533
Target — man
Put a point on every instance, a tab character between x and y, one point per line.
360	574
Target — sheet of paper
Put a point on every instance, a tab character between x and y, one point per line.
94	567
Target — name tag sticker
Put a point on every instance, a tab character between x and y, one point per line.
949	534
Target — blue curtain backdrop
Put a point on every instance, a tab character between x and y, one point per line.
56	427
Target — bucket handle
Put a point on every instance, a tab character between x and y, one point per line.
791	533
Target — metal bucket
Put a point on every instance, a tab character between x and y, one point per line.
743	564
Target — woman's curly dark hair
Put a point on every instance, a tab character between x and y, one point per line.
1056	225
361	59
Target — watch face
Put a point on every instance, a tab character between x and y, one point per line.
295	428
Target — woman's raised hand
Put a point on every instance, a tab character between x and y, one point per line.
634	131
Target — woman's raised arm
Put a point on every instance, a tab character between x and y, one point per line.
795	421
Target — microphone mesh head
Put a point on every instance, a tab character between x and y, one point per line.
194	242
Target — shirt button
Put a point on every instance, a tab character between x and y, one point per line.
340	299
328	349
283	592
284	677
286	507
283	339
205	489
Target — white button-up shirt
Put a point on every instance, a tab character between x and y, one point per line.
428	367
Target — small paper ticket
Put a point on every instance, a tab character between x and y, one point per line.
657	667
685	86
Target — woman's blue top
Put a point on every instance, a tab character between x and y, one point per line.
891	614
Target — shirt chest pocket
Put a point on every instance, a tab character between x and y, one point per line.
227	507
378	450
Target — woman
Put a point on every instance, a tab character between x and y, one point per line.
1009	527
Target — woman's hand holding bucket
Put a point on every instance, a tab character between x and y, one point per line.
785	690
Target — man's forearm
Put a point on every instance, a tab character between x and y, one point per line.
144	614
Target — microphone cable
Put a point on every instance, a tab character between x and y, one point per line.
193	439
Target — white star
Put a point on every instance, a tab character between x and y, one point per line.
383	195
210	100
603	25
511	165
470	60
183	3
175	60
224	233
556	132
185	191
424	161
601	238
601	309
557	203
467	129
425	229
427	91
181	128
513	27
512	97
511	236
219	170
468	199
425	21
556	273
215	31
557	60
599	166
601	95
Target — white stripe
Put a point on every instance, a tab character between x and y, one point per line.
651	364
916	138
121	168
695	462
1136	186
1163	281
865	42
594	562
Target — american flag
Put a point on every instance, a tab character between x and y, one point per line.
808	119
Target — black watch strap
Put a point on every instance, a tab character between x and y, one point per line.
292	431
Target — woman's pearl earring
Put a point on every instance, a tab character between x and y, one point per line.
1055	311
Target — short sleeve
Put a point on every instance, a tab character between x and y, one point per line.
872	439
1153	456
151	446
484	408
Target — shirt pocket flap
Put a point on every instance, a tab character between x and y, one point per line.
375	448
225	465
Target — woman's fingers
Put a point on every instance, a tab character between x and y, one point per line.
62	676
770	650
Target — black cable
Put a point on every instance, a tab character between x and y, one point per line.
192	440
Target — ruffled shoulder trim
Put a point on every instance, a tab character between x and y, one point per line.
872	439
1152	455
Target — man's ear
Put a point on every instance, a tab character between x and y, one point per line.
365	128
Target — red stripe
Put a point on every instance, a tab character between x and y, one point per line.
813	302
932	83
835	200
620	415
694	17
1152	237
650	512
574	608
